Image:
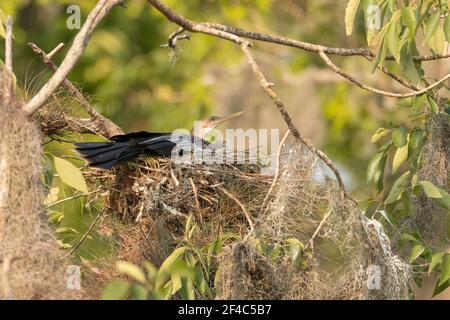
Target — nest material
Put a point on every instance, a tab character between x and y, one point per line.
430	219
306	204
32	265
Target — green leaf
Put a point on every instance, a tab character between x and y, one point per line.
431	26
116	290
400	185
399	137
435	260
400	156
430	189
131	270
393	40
416	251
139	292
437	42
408	237
445	200
373	166
171	259
381	132
409	18
350	14
445	269
411	68
2	30
447	28
70	175
434	108
414	139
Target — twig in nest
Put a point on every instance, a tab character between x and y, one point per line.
197	203
277	172
244	210
311	241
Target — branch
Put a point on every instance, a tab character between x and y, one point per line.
104	125
80	42
8	44
352	79
311	47
267	86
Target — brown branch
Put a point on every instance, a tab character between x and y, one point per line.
267	86
352	79
101	124
80	42
8	44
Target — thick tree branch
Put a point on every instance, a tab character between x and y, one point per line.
80	42
103	125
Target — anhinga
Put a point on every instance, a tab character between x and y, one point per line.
121	148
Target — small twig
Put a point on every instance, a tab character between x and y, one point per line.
68	199
54	51
277	172
310	243
352	79
75	248
197	202
174	37
244	210
80	42
8	44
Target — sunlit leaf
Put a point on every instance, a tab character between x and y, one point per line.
131	270
70	175
431	26
409	18
416	251
381	132
445	269
401	154
435	260
350	14
430	189
400	185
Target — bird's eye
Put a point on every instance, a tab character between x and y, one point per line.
212	118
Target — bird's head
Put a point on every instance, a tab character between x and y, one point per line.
213	121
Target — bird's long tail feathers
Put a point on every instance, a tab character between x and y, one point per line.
105	155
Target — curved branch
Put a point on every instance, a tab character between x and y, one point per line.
352	79
80	42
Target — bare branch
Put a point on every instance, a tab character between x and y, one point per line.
104	126
267	86
174	37
244	210
80	42
8	44
352	79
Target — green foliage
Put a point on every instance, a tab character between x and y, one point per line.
70	174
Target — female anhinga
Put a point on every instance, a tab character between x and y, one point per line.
121	148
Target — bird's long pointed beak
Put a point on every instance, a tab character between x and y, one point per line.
228	117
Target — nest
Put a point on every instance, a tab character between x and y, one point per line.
340	245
